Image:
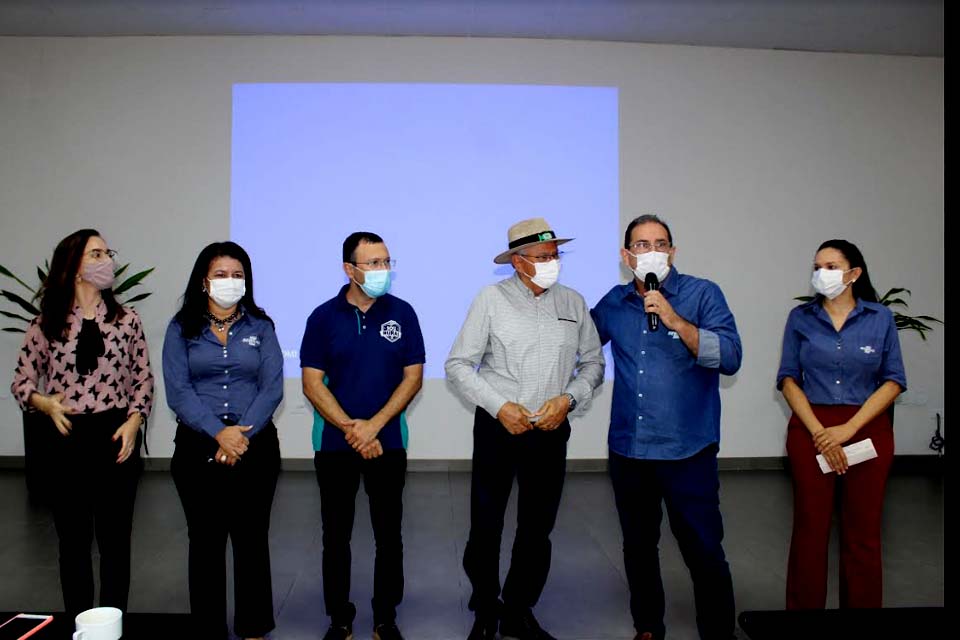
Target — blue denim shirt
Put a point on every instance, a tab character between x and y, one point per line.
207	382
841	367
666	401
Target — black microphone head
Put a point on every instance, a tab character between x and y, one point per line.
651	282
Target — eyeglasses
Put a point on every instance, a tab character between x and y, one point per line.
378	264
643	246
544	257
98	254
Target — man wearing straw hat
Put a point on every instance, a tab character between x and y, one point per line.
527	354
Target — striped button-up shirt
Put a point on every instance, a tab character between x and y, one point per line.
518	347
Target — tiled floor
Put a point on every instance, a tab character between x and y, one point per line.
586	594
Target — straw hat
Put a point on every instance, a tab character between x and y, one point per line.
526	233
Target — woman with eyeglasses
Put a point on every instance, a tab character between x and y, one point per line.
840	371
223	373
84	364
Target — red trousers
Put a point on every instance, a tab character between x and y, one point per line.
861	504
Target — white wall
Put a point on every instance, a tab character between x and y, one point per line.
754	157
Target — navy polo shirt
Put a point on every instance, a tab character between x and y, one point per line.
362	356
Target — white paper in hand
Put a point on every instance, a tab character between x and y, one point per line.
856	453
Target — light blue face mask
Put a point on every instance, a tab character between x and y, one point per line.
376	283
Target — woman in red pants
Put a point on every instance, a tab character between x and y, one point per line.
840	371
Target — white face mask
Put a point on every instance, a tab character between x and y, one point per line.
226	292
547	273
828	282
656	262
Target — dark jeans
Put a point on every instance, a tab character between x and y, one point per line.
538	461
691	490
220	501
338	476
93	495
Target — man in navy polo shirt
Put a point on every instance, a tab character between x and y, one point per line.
362	358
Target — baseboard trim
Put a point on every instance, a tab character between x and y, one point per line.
909	464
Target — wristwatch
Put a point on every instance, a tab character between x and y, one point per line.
573	401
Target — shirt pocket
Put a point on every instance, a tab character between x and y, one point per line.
867	357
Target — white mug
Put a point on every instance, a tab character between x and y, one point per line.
102	623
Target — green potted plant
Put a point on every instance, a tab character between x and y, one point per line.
22	309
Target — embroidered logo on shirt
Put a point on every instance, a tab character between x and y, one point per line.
673	334
868	349
253	341
390	330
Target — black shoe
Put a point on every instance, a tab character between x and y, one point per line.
522	626
484	628
337	632
387	631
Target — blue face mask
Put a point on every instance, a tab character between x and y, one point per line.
376	283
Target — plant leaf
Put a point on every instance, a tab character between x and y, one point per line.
138	297
929	318
899	301
26	306
9	274
804	298
14	316
132	281
893	292
119	272
14	330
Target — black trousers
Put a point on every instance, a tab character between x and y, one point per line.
93	495
338	476
538	461
690	488
221	501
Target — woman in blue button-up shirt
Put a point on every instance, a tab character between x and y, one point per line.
840	371
223	372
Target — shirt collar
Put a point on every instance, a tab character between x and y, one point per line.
815	307
345	305
100	315
523	290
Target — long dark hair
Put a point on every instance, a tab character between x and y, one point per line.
56	294
190	316
862	287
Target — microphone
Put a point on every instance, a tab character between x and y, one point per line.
651	283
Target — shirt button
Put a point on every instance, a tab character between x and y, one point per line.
364	326
643	353
644	331
224	386
641	370
639	417
230	334
224	417
226	404
640	395
838	382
